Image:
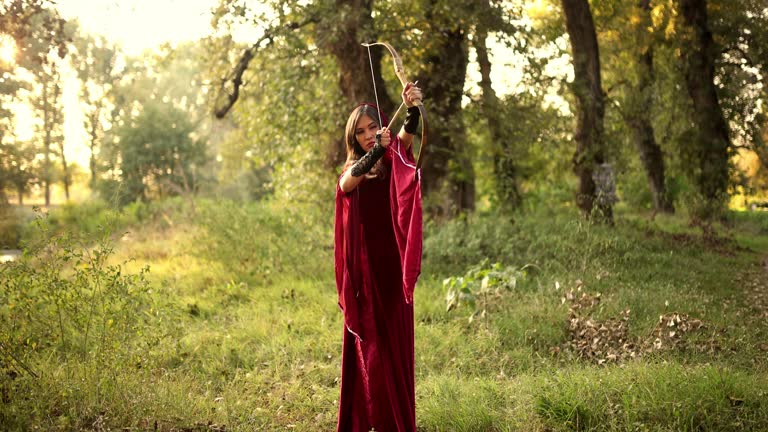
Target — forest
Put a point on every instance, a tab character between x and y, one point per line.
595	197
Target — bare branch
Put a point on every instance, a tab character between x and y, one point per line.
245	59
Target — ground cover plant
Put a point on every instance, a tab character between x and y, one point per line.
223	316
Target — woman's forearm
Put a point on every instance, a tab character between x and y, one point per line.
348	182
354	175
409	127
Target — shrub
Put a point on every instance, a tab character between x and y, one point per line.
458	244
10	227
482	286
63	298
265	239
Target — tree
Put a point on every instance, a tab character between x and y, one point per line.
317	31
31	20
450	173
158	156
50	108
711	141
640	107
95	60
34	28
506	170
590	106
740	30
17	161
504	166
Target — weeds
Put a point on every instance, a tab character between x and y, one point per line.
237	327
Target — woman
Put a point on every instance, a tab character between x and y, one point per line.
377	257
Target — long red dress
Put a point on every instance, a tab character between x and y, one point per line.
378	259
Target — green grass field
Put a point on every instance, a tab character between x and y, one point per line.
236	326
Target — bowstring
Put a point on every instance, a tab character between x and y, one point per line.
375	93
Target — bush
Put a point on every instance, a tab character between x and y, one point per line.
64	299
85	219
455	246
261	240
482	286
90	219
10	227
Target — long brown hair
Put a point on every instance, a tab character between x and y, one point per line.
354	149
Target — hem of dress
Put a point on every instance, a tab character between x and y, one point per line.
356	335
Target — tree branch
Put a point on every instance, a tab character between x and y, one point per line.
236	77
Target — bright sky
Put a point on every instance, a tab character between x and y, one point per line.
141	24
136	25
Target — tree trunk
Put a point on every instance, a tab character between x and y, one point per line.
47	146
355	79
504	166
639	120
590	106
448	170
94	138
65	167
57	122
712	142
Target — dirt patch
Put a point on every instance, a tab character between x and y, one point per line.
723	245
753	298
756	284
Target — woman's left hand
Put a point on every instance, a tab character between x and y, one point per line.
386	137
411	95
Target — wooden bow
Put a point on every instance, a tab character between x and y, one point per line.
400	72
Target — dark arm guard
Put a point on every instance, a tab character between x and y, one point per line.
411	120
365	163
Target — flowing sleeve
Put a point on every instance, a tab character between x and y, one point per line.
347	257
407	219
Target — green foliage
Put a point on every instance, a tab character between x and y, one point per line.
85	219
633	188
534	144
634	398
159	155
18	166
456	245
64	299
265	241
246	293
10	227
95	62
286	132
250	184
246	288
481	286
92	219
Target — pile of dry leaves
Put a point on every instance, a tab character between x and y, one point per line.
609	340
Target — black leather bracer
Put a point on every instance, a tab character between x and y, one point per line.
412	120
366	163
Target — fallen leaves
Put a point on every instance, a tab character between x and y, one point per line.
672	327
609	341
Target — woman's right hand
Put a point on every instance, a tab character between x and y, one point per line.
412	95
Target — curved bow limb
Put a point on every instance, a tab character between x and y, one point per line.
400	72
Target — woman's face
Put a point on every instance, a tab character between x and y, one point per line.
365	132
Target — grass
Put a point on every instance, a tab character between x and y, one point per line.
249	336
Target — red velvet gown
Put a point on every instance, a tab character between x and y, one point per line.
378	241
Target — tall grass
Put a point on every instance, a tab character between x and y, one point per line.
246	333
